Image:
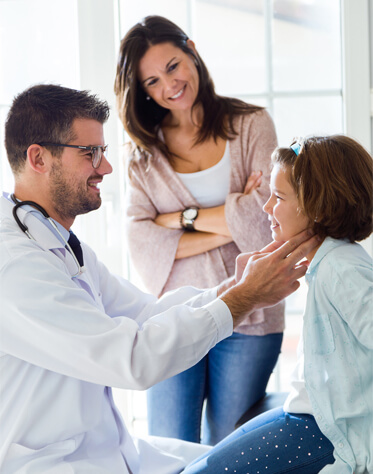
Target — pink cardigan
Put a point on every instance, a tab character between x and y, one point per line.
155	188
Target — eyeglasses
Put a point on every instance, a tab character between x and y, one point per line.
97	152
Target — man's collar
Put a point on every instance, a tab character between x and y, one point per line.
36	224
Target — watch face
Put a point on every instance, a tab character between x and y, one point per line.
190	214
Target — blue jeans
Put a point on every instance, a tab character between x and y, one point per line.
231	378
274	442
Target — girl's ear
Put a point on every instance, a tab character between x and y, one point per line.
37	158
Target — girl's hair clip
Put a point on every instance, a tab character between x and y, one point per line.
296	148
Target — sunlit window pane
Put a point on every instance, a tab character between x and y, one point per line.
306	45
133	12
46	31
38	44
301	116
230	36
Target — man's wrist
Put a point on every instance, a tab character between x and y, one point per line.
240	303
225	285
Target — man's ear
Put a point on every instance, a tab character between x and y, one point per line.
37	158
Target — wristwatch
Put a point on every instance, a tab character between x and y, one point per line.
187	217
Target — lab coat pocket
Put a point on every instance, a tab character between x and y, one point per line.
48	460
322	335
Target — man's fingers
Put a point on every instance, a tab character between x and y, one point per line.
299	271
271	247
303	250
294	286
302	241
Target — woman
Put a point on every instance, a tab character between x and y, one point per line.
194	203
326	423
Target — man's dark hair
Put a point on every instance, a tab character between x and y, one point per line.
45	113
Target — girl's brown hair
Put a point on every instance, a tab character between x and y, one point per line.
333	179
141	118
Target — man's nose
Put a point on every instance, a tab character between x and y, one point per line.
105	167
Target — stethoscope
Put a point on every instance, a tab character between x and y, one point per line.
24	228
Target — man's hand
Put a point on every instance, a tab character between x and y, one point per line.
266	277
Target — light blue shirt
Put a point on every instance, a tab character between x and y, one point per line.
338	352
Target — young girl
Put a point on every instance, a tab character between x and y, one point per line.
326	424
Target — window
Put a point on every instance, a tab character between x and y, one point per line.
308	61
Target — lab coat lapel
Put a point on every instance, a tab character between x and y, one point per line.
43	235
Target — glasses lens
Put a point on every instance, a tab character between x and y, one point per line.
98	152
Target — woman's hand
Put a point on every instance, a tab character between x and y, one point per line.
253	182
170	220
210	219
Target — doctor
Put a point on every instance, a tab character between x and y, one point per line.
70	330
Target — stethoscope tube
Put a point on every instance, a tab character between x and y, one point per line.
24	228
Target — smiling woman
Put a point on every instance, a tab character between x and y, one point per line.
196	169
172	83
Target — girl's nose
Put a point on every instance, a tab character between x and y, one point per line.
267	208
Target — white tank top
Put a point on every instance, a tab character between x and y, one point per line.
210	187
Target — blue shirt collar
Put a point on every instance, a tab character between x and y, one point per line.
327	246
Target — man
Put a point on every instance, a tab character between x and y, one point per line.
68	331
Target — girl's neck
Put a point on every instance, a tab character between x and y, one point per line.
310	256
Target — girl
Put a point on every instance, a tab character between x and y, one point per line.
326	423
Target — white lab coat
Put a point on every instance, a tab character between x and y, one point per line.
64	341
